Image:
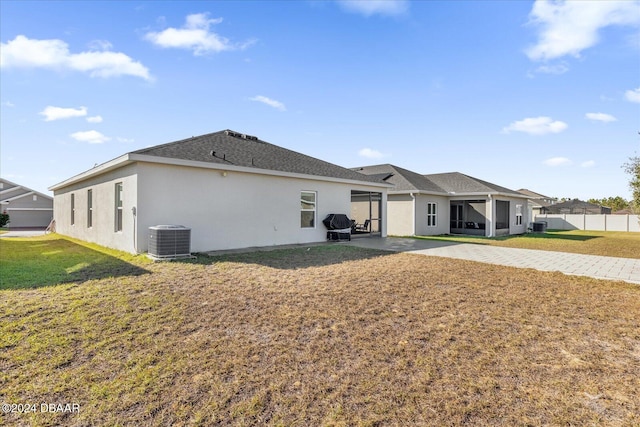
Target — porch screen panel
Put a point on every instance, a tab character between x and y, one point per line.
502	214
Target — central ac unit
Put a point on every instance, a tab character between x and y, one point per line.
169	241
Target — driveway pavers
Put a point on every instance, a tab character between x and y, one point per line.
599	267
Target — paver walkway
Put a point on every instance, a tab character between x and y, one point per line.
599	267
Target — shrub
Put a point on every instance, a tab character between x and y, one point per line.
4	219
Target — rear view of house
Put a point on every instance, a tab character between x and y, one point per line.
231	189
27	208
449	203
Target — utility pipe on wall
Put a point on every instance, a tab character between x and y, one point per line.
413	217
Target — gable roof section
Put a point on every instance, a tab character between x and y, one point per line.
11	191
235	151
403	179
460	184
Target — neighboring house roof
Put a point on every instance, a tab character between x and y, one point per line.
11	191
460	184
532	194
403	179
233	151
623	212
577	206
538	200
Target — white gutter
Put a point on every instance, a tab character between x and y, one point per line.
20	196
29	209
9	190
131	158
97	170
430	193
253	170
482	194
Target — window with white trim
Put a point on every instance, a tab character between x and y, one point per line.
518	214
308	209
89	208
431	214
118	206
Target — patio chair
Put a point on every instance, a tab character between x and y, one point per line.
363	227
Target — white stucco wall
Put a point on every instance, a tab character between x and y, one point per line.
104	212
513	227
442	215
225	210
228	210
400	211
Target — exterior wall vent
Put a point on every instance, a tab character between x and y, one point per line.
169	242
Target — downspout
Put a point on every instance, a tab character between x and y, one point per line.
413	217
135	229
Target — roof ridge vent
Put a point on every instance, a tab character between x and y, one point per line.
241	135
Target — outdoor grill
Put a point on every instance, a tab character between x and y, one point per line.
339	226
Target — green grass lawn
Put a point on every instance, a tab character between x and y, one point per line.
52	259
605	243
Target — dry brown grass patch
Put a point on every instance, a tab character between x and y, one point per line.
291	338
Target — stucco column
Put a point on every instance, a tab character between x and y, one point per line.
490	229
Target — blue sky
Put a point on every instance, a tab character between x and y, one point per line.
537	95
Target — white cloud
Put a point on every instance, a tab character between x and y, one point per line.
128	140
370	153
90	136
23	52
100	45
633	95
94	119
536	126
8	104
372	7
51	113
557	69
557	161
270	102
196	36
569	27
600	117
588	163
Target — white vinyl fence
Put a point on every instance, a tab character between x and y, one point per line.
591	222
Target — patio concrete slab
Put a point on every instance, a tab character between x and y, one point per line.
599	267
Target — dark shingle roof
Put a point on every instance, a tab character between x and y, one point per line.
576	206
232	148
403	179
532	194
456	182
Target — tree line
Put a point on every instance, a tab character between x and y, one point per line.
617	203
